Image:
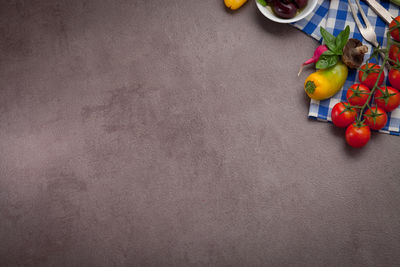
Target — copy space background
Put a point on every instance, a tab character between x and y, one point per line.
175	133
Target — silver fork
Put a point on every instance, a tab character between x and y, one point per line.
368	31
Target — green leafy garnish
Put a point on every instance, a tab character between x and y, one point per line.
329	39
341	40
335	47
262	2
326	61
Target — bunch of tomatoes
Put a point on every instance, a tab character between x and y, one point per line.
369	101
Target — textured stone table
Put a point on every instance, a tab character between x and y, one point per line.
175	133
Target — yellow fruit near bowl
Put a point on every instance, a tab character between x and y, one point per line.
234	4
325	83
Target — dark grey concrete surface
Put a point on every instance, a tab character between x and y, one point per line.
175	133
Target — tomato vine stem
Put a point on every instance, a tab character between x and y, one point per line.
381	70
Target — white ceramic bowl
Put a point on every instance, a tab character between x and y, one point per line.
267	11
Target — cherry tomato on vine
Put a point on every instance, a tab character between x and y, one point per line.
394	78
343	115
394	53
357	94
357	134
387	98
395	33
371	75
376	118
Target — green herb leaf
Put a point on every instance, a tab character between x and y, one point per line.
326	61
341	40
262	2
329	39
328	53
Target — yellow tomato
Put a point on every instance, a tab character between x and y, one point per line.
234	4
325	83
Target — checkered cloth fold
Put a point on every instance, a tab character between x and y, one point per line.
334	15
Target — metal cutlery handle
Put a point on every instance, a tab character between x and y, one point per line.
380	10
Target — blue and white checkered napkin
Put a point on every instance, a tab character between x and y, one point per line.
334	16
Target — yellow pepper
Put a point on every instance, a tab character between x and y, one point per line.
234	4
325	83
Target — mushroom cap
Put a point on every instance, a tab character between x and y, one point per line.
353	53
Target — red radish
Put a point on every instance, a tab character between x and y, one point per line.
317	53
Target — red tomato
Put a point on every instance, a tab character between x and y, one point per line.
387	98
394	53
357	135
376	118
357	94
394	78
395	33
342	115
371	75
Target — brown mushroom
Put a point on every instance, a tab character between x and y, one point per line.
353	53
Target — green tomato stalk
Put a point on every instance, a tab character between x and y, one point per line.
380	72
